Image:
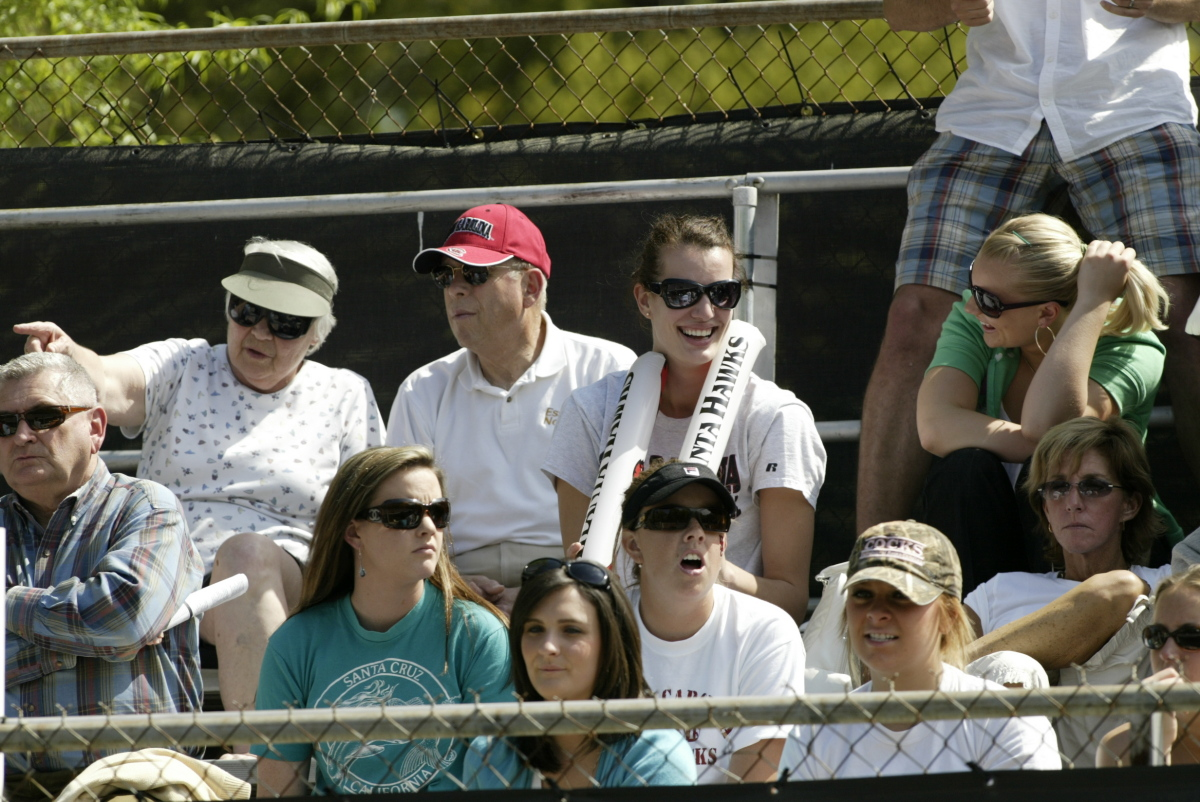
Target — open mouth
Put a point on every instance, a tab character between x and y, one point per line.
697	334
692	564
879	637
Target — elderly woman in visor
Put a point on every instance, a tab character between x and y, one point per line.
247	434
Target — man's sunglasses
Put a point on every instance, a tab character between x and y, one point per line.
285	327
38	418
673	519
585	571
680	293
991	305
1088	488
472	274
1187	637
406	513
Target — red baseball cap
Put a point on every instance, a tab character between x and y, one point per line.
486	236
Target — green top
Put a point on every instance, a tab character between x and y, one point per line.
1128	368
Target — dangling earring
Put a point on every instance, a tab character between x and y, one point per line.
1038	342
361	571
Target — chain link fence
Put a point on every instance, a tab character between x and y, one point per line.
390	746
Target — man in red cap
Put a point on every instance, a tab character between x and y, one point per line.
488	410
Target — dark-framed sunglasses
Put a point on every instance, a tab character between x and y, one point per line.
991	305
1088	488
586	572
39	418
1156	636
474	275
680	293
283	326
406	513
672	519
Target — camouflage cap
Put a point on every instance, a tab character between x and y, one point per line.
915	559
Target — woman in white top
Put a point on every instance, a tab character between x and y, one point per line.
699	638
687	284
908	631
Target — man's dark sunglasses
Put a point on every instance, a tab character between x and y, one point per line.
406	513
38	418
680	293
1088	488
585	571
1156	636
990	304
285	327
672	519
474	275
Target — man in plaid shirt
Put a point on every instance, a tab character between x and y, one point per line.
96	565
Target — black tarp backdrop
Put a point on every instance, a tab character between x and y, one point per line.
115	287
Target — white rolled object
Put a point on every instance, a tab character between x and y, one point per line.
207	598
1193	322
628	439
717	407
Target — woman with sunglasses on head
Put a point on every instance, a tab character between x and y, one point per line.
1174	643
1049	330
383	619
907	629
573	637
687	284
1089	483
248	435
700	638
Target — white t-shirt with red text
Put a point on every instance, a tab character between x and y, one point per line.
748	647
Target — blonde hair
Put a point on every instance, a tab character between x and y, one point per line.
1188	580
957	634
1047	252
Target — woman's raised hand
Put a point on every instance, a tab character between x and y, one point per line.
43	335
1103	272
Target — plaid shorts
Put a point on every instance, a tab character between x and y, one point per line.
1143	190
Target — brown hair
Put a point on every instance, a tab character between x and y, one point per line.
619	670
1063	448
1047	252
330	571
672	230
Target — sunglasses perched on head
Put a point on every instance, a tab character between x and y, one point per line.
285	327
474	275
1156	636
673	519
680	293
1088	488
990	304
584	571
38	418
406	513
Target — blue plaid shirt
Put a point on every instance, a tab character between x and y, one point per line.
87	595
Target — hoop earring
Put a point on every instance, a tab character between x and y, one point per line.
1037	341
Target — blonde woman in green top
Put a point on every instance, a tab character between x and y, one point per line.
1049	330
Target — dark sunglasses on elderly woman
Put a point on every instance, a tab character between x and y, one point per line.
1156	636
673	519
680	293
285	327
589	573
406	513
38	418
990	304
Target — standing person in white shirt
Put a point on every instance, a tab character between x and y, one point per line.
906	625
489	409
1083	93
700	638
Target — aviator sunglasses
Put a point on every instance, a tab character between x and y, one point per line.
1088	488
991	305
680	293
474	275
285	327
585	571
673	518
38	418
1187	637
406	513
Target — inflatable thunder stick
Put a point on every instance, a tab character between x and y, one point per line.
717	408
207	598
626	446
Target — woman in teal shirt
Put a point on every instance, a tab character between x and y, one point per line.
1050	329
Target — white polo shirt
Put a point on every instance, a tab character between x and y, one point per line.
1093	76
491	442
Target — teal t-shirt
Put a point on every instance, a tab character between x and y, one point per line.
323	658
652	757
1128	368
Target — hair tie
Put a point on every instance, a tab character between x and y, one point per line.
1018	236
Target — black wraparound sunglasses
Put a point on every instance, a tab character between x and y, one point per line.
283	326
406	513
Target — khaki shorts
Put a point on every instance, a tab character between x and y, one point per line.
503	561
